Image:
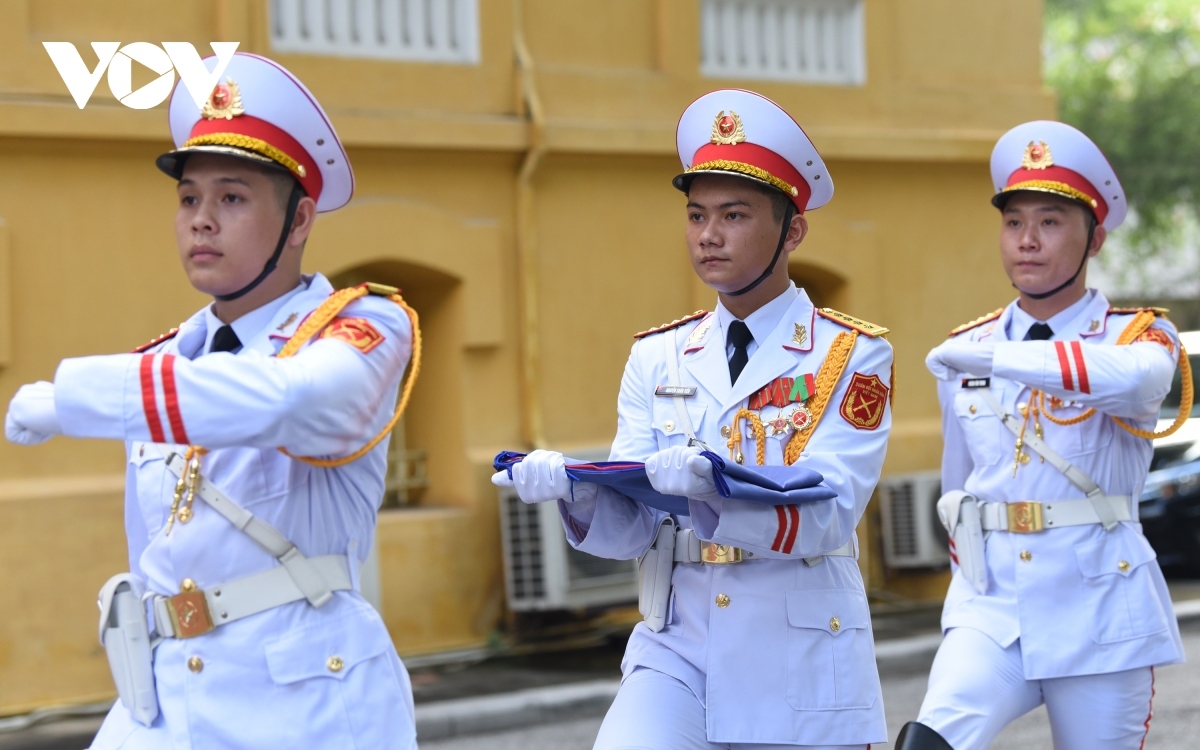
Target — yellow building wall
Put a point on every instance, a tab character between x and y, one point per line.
88	263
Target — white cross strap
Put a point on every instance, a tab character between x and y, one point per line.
681	412
1104	510
300	568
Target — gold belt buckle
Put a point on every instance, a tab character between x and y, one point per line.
719	554
1025	517
189	614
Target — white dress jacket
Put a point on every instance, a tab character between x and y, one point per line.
1082	600
790	659
266	680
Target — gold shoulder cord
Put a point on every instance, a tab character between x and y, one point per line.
1139	325
827	379
826	382
185	488
322	317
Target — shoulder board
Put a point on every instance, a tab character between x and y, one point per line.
672	324
381	290
1159	312
155	342
862	326
977	322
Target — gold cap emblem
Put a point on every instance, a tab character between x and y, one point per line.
1037	156
224	102
727	129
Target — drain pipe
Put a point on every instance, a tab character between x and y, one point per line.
532	424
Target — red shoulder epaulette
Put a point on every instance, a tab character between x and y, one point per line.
672	324
1159	312
976	323
155	342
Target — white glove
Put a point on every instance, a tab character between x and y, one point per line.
31	417
955	358
539	478
681	470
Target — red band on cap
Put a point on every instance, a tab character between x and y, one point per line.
757	157
252	127
1035	179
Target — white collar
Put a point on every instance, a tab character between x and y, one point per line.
763	321
1019	323
252	323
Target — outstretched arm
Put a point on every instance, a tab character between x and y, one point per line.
319	402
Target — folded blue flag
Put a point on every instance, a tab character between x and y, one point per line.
767	485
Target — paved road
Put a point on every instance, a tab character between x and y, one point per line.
1176	724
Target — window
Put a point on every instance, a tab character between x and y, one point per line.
406	479
414	30
807	41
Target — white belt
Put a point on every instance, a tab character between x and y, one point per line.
199	611
690	548
1028	517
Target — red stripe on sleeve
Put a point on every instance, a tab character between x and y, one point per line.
1065	364
171	397
794	512
782	528
1080	367
149	403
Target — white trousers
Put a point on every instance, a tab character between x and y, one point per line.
654	711
976	688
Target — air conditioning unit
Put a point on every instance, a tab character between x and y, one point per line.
913	537
543	572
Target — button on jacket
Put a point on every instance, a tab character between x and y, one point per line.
292	676
1081	600
777	651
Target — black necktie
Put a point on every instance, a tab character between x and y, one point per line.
225	340
739	335
1039	332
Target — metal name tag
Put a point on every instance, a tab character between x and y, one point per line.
675	390
976	382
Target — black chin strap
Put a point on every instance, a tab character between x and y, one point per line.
289	217
1070	281
787	224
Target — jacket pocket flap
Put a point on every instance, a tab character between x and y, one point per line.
831	610
1120	552
666	417
141	453
329	650
972	406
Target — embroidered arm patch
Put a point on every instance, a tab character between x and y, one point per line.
1157	336
864	402
354	331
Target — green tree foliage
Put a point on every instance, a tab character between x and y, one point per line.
1127	73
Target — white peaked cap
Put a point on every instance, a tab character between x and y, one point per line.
739	132
261	112
1053	157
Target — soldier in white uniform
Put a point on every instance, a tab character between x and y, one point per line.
757	631
257	437
1048	410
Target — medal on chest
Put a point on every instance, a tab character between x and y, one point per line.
787	397
777	409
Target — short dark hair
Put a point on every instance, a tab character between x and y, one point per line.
779	200
283	182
